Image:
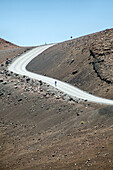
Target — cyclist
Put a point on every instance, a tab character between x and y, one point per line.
55	83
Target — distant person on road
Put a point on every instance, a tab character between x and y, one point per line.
55	83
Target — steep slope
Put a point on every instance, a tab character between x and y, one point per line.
9	50
41	130
85	62
6	44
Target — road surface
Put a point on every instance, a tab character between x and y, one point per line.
19	67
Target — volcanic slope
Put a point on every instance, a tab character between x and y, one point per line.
6	44
40	128
85	62
9	50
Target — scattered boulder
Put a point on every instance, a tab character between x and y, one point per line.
16	75
27	80
8	74
52	94
57	97
1	93
40	83
53	155
72	60
19	100
75	72
9	94
4	83
48	91
68	98
1	80
45	95
59	109
7	62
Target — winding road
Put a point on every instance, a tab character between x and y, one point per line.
19	67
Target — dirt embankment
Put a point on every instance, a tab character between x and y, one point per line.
85	62
40	128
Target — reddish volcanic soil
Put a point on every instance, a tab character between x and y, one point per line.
86	62
42	128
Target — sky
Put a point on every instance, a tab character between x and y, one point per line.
36	22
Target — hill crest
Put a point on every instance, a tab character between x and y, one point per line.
4	44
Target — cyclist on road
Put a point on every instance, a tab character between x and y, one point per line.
55	83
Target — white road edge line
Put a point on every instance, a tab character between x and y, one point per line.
19	67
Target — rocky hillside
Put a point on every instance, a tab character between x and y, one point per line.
9	50
6	44
42	128
85	62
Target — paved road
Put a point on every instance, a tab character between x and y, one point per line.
19	67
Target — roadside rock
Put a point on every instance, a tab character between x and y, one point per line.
1	80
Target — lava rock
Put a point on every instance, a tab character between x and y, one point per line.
27	80
1	81
75	72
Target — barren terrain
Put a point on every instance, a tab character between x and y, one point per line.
42	128
86	62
